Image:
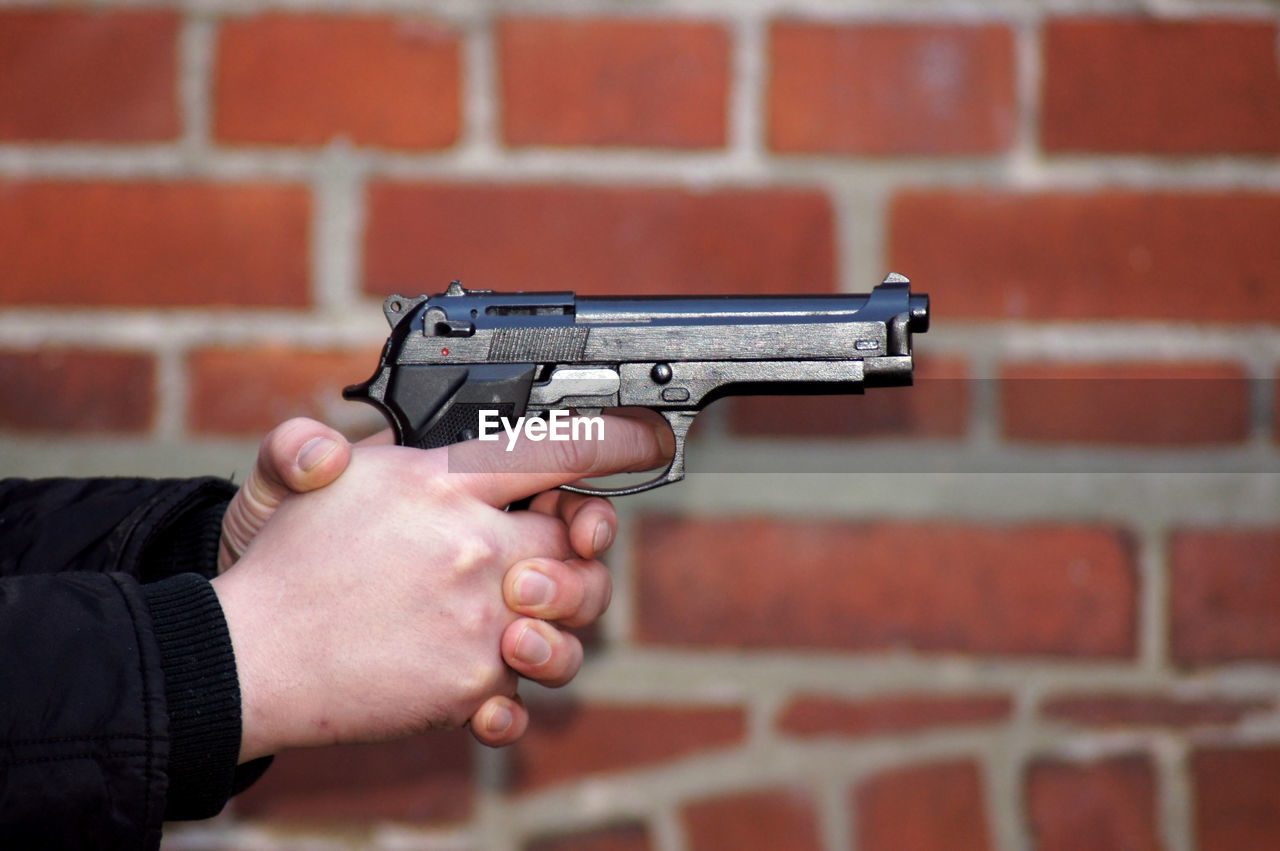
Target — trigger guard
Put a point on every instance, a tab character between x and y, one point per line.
680	421
665	479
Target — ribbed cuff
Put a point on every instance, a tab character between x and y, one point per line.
202	693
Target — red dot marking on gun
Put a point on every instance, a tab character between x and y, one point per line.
444	353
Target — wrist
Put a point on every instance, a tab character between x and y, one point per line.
257	738
281	683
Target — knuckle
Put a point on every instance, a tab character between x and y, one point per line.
594	576
599	507
273	440
576	591
486	679
467	557
480	618
429	470
568	663
607	594
293	430
601	593
596	592
575	456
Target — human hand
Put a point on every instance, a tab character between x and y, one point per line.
416	636
303	455
552	594
297	456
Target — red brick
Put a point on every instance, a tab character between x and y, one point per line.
936	406
424	779
878	716
626	837
1236	794
306	79
1127	404
933	807
77	390
767	582
613	82
1165	87
1082	807
884	89
598	240
1151	710
73	76
1224	594
569	742
755	821
249	391
1114	254
180	244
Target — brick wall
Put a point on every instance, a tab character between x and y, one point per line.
1030	603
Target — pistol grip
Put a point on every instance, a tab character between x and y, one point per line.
429	406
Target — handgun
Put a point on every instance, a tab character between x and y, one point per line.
464	359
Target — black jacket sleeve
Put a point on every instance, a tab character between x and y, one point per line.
119	703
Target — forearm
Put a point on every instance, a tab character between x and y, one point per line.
85	736
99	537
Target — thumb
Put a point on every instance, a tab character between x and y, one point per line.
297	456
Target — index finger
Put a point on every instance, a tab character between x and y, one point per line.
502	475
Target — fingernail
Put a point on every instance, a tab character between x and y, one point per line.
534	588
315	451
532	648
500	720
603	537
